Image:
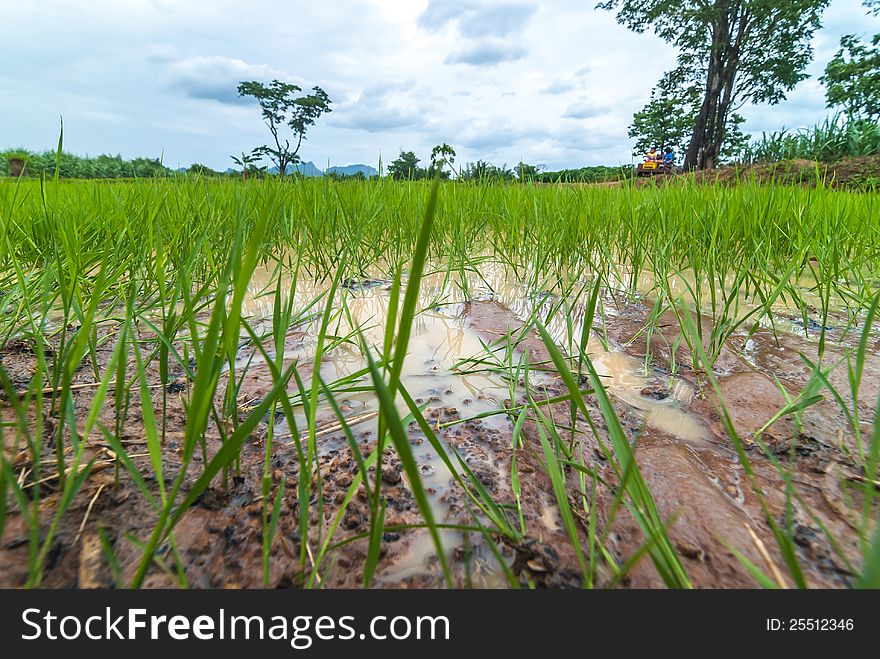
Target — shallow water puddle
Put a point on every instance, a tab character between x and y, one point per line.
438	341
441	338
660	399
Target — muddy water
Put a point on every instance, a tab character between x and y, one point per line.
684	452
682	285
440	340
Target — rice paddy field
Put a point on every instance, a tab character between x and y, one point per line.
321	384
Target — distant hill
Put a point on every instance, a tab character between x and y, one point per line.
310	170
307	169
351	170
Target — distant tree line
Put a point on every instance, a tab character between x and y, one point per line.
406	167
39	163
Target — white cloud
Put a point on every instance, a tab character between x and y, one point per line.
477	19
585	109
559	87
486	53
216	77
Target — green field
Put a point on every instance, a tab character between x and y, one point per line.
159	340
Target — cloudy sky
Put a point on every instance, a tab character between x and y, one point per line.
554	82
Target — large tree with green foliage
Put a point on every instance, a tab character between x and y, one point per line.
852	77
284	108
737	51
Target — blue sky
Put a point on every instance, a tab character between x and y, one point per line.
554	83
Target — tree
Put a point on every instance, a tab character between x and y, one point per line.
441	155
852	77
668	118
198	169
526	172
737	51
282	106
485	171
406	167
247	162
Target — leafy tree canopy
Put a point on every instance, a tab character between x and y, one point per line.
406	167
852	77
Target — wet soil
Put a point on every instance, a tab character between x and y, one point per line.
697	480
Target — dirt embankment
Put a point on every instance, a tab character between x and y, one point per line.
861	173
699	487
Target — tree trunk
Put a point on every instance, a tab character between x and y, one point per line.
695	156
731	66
702	152
16	167
720	128
703	127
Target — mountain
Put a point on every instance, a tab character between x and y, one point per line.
307	169
351	170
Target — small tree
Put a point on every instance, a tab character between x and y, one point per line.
247	162
668	118
852	77
406	167
441	155
283	106
526	172
198	169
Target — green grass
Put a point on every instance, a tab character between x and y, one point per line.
155	273
831	140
